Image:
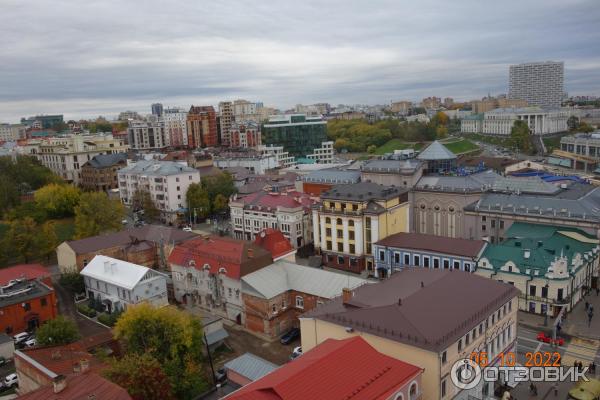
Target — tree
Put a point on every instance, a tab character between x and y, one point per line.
221	203
198	200
573	123
48	240
142	200
142	376
218	184
57	331
96	213
58	200
22	239
172	337
72	281
520	137
441	132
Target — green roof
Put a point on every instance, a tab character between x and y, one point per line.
544	243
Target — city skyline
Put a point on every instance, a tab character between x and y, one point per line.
280	54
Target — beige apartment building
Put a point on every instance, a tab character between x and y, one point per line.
66	155
416	316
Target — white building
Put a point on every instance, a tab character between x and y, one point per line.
540	121
166	181
175	127
283	158
323	154
256	163
119	284
146	134
65	155
11	132
540	84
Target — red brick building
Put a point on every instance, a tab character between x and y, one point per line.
202	127
245	135
338	369
276	295
28	299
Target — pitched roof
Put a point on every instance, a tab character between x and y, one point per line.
269	201
282	276
107	160
136	238
250	366
117	272
336	369
436	151
27	271
274	242
236	257
333	176
87	385
431	314
59	360
438	244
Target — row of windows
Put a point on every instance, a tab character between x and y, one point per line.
339	221
423	261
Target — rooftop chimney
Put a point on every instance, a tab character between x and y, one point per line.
59	383
106	265
346	295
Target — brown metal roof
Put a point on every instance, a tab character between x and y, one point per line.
145	235
437	306
437	244
88	385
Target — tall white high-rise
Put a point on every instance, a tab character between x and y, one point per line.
540	84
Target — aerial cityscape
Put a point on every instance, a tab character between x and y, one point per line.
290	201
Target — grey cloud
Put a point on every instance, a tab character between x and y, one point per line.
91	58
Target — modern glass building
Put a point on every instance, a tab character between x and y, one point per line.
297	133
439	159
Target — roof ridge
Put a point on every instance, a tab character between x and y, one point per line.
365	385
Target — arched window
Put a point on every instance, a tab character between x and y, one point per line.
422	206
399	396
351	222
413	391
327	220
338	221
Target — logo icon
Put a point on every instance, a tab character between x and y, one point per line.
465	374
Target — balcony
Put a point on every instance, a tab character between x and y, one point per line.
337	211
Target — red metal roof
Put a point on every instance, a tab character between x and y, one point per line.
88	385
273	240
220	252
336	369
27	271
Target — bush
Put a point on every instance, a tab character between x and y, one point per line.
109	319
85	310
73	281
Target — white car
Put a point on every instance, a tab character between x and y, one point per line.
187	229
297	352
10	381
31	342
21	337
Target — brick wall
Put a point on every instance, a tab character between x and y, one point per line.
14	317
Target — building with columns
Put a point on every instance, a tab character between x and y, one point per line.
351	218
540	121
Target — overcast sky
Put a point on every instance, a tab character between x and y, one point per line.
86	58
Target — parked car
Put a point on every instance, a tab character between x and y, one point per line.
187	229
10	381
548	339
297	352
221	375
21	337
290	336
31	342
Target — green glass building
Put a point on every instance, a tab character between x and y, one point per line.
298	134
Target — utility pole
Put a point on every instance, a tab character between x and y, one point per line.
210	361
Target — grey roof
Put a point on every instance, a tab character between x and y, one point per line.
585	207
436	151
24	291
362	191
250	366
216	336
532	184
408	166
283	276
419	306
334	176
473	183
107	160
4	338
158	168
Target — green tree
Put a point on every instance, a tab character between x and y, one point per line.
22	240
221	203
172	337
142	376
520	137
57	331
142	200
58	200
371	149
198	200
441	132
573	123
72	281
218	184
96	213
48	240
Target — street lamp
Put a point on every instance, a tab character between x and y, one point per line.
546	313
